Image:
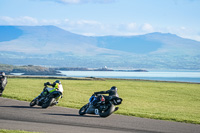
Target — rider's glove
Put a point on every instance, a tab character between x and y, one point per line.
47	83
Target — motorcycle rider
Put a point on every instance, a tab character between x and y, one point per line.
3	82
112	93
57	86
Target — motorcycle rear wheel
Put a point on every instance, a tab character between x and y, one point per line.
107	112
48	103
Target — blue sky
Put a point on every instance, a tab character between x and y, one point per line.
107	17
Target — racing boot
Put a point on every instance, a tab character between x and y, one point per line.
116	109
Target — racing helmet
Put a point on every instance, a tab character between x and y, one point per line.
113	88
56	84
58	81
2	74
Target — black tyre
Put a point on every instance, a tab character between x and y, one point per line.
82	111
33	103
47	103
107	112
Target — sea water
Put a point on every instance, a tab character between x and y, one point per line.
187	76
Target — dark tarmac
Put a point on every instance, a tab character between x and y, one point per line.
17	115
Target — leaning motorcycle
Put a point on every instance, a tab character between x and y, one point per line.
104	107
50	99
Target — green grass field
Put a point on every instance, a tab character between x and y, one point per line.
157	100
14	131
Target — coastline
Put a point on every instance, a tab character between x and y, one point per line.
90	78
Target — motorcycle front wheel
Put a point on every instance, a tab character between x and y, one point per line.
82	110
33	102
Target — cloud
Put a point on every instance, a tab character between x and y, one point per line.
87	22
132	26
81	1
96	28
84	27
51	22
147	27
25	20
6	19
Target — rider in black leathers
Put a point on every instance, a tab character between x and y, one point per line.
112	93
3	82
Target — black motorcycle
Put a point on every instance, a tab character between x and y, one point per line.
103	107
50	99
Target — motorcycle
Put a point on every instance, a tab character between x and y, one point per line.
104	108
50	99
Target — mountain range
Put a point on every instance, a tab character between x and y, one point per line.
53	46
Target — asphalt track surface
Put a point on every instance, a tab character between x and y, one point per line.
17	115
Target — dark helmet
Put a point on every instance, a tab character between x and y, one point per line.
55	82
113	88
58	81
2	74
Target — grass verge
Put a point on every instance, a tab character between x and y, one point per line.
14	131
147	99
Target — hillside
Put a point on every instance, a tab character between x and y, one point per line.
28	70
52	46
